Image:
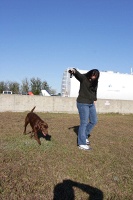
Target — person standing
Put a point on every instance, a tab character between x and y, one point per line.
86	104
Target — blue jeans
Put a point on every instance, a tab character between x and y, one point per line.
88	119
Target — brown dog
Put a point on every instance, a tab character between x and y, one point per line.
37	125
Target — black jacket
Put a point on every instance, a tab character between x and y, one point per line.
87	91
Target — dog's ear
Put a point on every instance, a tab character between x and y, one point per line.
46	125
38	125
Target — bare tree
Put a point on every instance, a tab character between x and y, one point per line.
25	86
35	85
2	86
14	87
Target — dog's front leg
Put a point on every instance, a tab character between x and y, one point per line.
36	138
31	133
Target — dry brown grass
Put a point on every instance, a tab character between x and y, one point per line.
58	169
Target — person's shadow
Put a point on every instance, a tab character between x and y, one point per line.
75	129
65	191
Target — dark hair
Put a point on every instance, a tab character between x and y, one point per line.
93	72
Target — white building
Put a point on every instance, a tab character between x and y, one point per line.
45	93
111	85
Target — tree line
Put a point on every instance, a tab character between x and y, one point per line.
34	85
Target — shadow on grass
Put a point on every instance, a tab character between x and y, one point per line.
65	191
75	129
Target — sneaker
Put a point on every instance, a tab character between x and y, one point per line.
87	142
84	147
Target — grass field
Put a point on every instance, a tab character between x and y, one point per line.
58	170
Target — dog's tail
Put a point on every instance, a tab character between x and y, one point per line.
32	109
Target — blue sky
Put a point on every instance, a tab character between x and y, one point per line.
42	38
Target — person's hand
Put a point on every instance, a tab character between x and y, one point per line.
71	71
95	103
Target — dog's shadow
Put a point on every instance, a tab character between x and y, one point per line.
65	191
47	137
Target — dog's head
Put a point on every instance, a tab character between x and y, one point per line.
43	127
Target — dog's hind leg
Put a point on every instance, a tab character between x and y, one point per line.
25	125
